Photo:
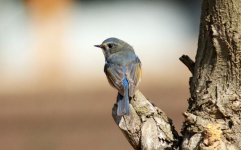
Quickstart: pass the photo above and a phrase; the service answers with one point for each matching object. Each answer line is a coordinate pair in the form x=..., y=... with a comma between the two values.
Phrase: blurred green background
x=54, y=94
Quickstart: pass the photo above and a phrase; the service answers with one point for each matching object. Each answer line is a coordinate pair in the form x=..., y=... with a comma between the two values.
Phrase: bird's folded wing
x=115, y=76
x=134, y=74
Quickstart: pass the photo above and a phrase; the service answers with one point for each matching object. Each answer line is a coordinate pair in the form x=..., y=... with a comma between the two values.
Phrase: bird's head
x=113, y=45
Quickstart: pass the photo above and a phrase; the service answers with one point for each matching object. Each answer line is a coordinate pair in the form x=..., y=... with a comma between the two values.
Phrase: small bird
x=123, y=71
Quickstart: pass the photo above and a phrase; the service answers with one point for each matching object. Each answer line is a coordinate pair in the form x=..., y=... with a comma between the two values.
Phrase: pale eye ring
x=110, y=45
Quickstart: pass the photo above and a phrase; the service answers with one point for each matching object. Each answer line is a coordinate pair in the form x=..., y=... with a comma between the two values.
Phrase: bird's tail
x=123, y=101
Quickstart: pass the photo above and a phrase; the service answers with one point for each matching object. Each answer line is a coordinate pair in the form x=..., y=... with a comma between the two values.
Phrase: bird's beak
x=99, y=46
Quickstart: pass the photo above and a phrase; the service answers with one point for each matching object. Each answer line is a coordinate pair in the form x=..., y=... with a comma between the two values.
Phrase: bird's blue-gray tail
x=123, y=101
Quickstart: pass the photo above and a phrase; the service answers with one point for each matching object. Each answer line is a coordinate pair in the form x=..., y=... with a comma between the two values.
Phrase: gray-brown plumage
x=123, y=70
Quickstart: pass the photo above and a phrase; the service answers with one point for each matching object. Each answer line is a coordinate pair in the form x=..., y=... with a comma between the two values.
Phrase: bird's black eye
x=110, y=45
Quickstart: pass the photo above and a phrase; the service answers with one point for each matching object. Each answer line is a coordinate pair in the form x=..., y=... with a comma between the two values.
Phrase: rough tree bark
x=213, y=118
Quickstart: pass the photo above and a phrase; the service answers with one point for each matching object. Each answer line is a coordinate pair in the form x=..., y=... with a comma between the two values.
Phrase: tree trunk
x=213, y=118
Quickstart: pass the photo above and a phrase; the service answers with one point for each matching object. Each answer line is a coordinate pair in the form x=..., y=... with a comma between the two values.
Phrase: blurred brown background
x=53, y=92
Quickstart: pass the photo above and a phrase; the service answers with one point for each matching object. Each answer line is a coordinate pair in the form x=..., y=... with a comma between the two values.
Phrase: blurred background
x=53, y=92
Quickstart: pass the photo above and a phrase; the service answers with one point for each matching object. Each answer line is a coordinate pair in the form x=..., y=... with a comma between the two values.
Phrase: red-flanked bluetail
x=123, y=71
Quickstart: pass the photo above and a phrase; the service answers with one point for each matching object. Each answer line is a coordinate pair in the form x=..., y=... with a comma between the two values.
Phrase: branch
x=147, y=127
x=188, y=62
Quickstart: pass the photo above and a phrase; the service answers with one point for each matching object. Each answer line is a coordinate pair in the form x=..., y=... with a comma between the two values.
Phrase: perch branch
x=188, y=62
x=147, y=127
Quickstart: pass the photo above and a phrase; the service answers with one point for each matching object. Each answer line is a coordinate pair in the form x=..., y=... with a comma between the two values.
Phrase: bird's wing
x=134, y=74
x=115, y=76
